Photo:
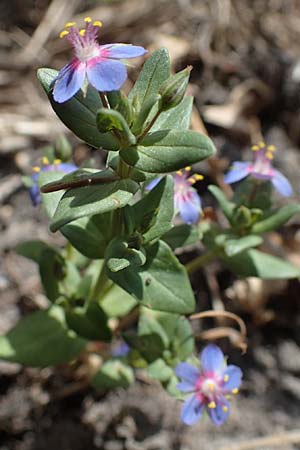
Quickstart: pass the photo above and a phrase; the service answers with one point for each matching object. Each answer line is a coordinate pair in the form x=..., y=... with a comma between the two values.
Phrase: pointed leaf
x=276, y=219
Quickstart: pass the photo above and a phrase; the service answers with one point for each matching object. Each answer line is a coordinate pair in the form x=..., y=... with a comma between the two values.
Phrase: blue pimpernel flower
x=187, y=202
x=261, y=168
x=34, y=190
x=96, y=64
x=211, y=386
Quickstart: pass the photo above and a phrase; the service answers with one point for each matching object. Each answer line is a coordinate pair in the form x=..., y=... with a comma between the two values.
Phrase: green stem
x=200, y=261
x=149, y=126
x=100, y=285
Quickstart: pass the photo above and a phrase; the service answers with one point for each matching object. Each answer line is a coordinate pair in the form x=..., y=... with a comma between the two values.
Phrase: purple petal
x=153, y=183
x=192, y=410
x=237, y=172
x=107, y=75
x=234, y=375
x=126, y=51
x=187, y=372
x=66, y=167
x=212, y=359
x=220, y=413
x=69, y=81
x=34, y=192
x=281, y=183
x=185, y=386
x=189, y=206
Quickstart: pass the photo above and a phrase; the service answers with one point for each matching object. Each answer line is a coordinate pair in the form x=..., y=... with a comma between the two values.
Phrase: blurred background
x=246, y=78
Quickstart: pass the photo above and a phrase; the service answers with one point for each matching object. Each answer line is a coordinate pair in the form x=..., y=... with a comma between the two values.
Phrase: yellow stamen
x=211, y=386
x=45, y=160
x=97, y=23
x=57, y=161
x=87, y=19
x=70, y=24
x=269, y=155
x=82, y=32
x=261, y=144
x=254, y=148
x=235, y=391
x=228, y=397
x=63, y=33
x=226, y=378
x=225, y=408
x=212, y=405
x=36, y=169
x=198, y=177
x=179, y=172
x=188, y=168
x=271, y=148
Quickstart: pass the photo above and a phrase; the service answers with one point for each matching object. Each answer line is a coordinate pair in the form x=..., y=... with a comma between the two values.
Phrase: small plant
x=117, y=291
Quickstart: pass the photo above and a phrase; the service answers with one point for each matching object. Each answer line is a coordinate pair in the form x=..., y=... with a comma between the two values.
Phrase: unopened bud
x=63, y=149
x=172, y=90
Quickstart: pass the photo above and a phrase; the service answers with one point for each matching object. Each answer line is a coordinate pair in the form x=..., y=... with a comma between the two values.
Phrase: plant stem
x=104, y=100
x=200, y=261
x=150, y=125
x=100, y=285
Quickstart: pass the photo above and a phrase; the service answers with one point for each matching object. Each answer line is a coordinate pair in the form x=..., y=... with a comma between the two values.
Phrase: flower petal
x=106, y=75
x=281, y=183
x=69, y=81
x=220, y=413
x=212, y=359
x=66, y=167
x=237, y=172
x=187, y=372
x=35, y=195
x=192, y=410
x=185, y=386
x=189, y=206
x=119, y=51
x=153, y=183
x=234, y=375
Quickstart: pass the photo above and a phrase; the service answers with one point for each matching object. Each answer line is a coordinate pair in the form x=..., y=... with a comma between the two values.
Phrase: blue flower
x=96, y=64
x=122, y=349
x=261, y=168
x=187, y=202
x=211, y=386
x=34, y=190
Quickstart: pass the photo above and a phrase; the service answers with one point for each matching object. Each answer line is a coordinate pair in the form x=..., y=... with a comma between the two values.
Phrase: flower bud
x=63, y=149
x=172, y=90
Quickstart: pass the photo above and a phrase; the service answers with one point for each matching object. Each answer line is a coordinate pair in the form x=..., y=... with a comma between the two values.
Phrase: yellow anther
x=82, y=32
x=225, y=408
x=70, y=24
x=36, y=169
x=198, y=177
x=211, y=386
x=261, y=144
x=271, y=148
x=57, y=161
x=87, y=19
x=187, y=168
x=212, y=405
x=179, y=172
x=235, y=391
x=97, y=23
x=226, y=378
x=63, y=33
x=228, y=397
x=45, y=160
x=269, y=155
x=254, y=148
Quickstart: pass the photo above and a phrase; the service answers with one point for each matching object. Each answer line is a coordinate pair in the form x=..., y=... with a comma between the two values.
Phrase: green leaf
x=226, y=206
x=276, y=219
x=110, y=120
x=41, y=339
x=178, y=118
x=79, y=113
x=117, y=302
x=113, y=374
x=160, y=371
x=51, y=200
x=120, y=255
x=234, y=245
x=181, y=236
x=153, y=214
x=89, y=323
x=90, y=200
x=254, y=193
x=154, y=72
x=168, y=150
x=33, y=249
x=150, y=346
x=253, y=263
x=142, y=118
x=52, y=271
x=89, y=235
x=162, y=283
